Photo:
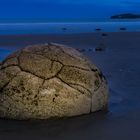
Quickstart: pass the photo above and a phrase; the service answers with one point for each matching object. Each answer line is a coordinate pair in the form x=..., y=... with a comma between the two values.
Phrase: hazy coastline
x=21, y=28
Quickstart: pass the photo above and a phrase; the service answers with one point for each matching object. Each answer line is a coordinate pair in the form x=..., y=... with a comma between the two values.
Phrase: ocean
x=67, y=27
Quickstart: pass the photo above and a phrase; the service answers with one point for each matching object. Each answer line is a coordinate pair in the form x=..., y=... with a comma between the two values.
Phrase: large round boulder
x=50, y=80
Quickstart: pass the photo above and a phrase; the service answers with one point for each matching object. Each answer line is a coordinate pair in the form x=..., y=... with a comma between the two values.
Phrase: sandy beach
x=119, y=62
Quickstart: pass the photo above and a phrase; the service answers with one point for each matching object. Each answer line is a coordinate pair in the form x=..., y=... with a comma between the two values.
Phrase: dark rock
x=126, y=16
x=64, y=29
x=99, y=49
x=98, y=29
x=123, y=29
x=104, y=34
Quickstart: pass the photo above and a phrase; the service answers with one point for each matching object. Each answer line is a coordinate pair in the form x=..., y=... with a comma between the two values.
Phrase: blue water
x=67, y=27
x=5, y=51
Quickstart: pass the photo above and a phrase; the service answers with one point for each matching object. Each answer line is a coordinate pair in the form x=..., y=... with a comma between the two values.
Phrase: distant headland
x=126, y=16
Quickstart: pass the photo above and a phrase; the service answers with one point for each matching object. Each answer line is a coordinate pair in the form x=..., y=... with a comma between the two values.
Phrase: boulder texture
x=50, y=80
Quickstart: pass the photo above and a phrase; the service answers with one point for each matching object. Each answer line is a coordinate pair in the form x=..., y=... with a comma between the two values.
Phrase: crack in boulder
x=70, y=85
x=5, y=67
x=1, y=89
x=54, y=60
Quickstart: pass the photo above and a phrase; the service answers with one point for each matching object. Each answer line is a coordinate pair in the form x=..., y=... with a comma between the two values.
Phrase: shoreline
x=68, y=28
x=10, y=40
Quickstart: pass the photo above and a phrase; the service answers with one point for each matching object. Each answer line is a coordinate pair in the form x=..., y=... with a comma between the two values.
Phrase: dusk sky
x=66, y=8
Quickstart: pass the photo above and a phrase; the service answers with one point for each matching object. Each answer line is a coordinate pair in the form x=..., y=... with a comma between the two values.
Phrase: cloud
x=98, y=2
x=66, y=8
x=131, y=3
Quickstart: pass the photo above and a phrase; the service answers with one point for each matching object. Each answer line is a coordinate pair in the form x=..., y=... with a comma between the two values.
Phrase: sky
x=65, y=9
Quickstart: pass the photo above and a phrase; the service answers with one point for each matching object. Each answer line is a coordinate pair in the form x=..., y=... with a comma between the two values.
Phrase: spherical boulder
x=50, y=80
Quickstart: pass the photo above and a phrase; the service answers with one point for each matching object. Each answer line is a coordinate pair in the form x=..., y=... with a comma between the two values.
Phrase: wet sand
x=120, y=63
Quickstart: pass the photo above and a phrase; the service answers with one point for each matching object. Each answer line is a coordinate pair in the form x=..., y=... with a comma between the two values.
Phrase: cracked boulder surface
x=50, y=80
